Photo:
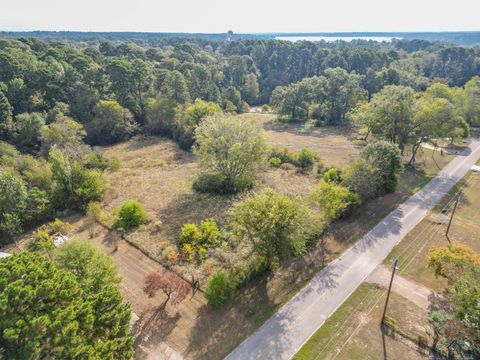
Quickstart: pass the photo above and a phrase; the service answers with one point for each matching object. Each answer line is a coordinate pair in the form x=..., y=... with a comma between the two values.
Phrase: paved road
x=409, y=289
x=284, y=334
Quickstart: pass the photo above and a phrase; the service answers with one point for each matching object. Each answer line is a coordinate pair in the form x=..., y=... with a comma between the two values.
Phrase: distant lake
x=334, y=38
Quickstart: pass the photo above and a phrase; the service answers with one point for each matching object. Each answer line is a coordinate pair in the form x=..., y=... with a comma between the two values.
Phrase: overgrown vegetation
x=81, y=312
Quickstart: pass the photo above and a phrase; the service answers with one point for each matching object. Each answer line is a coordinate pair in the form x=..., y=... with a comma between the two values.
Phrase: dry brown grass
x=413, y=249
x=337, y=146
x=354, y=332
x=160, y=175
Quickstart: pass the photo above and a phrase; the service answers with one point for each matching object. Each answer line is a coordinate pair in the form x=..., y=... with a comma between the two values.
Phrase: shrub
x=188, y=252
x=189, y=234
x=245, y=274
x=285, y=155
x=361, y=178
x=98, y=161
x=210, y=183
x=194, y=241
x=131, y=215
x=333, y=175
x=387, y=159
x=266, y=108
x=173, y=256
x=275, y=162
x=305, y=160
x=334, y=200
x=321, y=167
x=210, y=233
x=219, y=288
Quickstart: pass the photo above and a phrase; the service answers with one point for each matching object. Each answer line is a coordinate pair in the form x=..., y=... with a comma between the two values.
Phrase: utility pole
x=389, y=289
x=451, y=216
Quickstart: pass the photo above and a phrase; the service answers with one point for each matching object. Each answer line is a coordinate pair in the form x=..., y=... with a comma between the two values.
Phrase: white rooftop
x=476, y=168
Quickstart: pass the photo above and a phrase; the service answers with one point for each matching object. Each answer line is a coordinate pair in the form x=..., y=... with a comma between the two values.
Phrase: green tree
x=66, y=134
x=219, y=288
x=111, y=123
x=131, y=215
x=27, y=131
x=276, y=225
x=160, y=112
x=231, y=148
x=73, y=185
x=460, y=265
x=334, y=200
x=70, y=321
x=362, y=178
x=5, y=117
x=250, y=88
x=187, y=117
x=390, y=114
x=387, y=159
x=13, y=201
x=342, y=91
x=472, y=101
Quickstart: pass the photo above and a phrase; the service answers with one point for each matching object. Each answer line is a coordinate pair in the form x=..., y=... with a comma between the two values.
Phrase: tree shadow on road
x=217, y=331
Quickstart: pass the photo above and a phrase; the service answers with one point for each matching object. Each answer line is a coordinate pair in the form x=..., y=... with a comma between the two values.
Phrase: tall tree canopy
x=49, y=312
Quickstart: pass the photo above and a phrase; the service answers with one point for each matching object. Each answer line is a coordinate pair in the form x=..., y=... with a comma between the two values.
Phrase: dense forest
x=59, y=97
x=467, y=38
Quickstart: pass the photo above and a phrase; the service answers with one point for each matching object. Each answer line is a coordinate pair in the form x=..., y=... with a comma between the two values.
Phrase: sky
x=240, y=16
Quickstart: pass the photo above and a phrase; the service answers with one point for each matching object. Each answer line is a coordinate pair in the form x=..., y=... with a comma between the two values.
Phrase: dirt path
x=416, y=293
x=160, y=334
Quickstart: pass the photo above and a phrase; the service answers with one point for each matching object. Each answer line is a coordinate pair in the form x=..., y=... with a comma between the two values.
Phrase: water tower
x=229, y=35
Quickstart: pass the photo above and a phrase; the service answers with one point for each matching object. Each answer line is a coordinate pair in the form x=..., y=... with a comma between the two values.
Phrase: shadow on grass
x=217, y=331
x=152, y=329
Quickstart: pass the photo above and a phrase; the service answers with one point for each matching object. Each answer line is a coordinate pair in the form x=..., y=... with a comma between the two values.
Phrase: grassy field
x=354, y=331
x=159, y=174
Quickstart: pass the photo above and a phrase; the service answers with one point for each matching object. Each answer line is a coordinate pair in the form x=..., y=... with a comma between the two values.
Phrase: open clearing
x=354, y=331
x=160, y=175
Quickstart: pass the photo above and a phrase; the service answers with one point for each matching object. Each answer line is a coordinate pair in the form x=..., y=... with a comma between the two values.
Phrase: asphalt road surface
x=283, y=335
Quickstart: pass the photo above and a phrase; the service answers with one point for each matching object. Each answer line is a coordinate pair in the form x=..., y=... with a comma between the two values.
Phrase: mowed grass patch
x=354, y=332
x=430, y=232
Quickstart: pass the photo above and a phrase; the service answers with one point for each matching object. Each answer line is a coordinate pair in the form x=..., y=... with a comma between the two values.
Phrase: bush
x=245, y=274
x=216, y=183
x=98, y=161
x=266, y=109
x=131, y=215
x=220, y=287
x=194, y=241
x=209, y=232
x=285, y=155
x=333, y=175
x=387, y=159
x=275, y=162
x=361, y=178
x=189, y=234
x=305, y=160
x=334, y=200
x=112, y=123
